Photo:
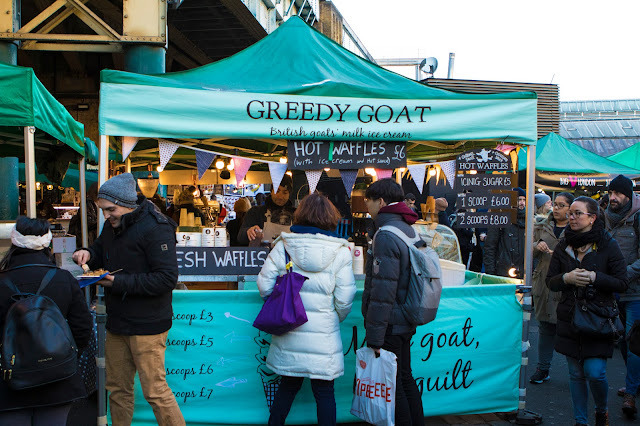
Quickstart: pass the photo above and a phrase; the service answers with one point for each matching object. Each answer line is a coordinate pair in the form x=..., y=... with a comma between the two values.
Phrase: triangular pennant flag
x=349, y=179
x=438, y=170
x=417, y=173
x=167, y=149
x=384, y=173
x=313, y=177
x=128, y=143
x=449, y=169
x=241, y=167
x=203, y=161
x=277, y=171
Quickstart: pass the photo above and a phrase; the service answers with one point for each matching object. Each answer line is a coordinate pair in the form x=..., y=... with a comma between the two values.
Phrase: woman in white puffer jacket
x=314, y=349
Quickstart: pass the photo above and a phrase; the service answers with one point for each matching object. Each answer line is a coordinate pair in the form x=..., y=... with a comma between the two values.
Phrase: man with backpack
x=140, y=240
x=621, y=220
x=388, y=273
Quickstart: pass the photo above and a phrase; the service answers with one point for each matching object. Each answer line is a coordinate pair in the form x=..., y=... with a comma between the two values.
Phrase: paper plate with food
x=91, y=277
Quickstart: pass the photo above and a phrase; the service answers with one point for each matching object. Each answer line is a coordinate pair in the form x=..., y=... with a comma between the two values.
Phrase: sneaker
x=622, y=391
x=629, y=405
x=539, y=376
x=602, y=419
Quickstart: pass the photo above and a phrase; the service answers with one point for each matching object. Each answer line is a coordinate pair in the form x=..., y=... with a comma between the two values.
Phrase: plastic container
x=358, y=260
x=208, y=237
x=194, y=239
x=452, y=273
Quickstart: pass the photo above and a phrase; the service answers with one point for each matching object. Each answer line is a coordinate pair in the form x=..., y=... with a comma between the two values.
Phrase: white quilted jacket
x=314, y=349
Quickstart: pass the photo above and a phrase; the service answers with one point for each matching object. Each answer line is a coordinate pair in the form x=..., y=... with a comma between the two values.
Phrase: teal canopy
x=24, y=101
x=298, y=84
x=556, y=154
x=629, y=157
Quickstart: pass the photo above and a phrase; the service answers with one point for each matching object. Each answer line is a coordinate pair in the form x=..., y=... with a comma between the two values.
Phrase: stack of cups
x=221, y=236
x=358, y=260
x=208, y=237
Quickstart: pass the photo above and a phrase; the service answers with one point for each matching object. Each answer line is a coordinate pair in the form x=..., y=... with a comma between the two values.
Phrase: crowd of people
x=581, y=251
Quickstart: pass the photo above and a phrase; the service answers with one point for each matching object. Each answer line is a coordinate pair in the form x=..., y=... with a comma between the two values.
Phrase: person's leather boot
x=629, y=405
x=602, y=419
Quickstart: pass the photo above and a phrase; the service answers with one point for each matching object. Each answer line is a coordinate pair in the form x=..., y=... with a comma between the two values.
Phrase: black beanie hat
x=623, y=185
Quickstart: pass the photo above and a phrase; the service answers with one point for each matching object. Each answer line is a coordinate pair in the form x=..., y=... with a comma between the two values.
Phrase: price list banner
x=315, y=155
x=488, y=209
x=466, y=361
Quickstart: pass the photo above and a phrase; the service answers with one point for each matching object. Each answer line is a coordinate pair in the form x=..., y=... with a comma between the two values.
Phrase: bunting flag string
x=128, y=143
x=449, y=169
x=277, y=171
x=203, y=161
x=417, y=173
x=313, y=177
x=349, y=180
x=241, y=167
x=167, y=149
x=384, y=173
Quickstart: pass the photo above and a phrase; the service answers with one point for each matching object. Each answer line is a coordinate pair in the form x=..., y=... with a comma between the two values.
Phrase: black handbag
x=591, y=319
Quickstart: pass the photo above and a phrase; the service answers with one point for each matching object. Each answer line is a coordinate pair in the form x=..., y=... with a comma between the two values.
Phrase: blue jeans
x=546, y=342
x=631, y=313
x=287, y=391
x=593, y=370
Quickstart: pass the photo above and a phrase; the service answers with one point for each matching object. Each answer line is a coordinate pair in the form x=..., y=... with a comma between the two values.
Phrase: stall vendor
x=266, y=222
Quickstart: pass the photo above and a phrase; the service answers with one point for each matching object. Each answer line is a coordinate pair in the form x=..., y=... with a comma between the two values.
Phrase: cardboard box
x=64, y=261
x=64, y=244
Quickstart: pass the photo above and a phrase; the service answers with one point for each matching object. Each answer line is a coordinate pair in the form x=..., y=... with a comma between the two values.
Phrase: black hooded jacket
x=144, y=247
x=257, y=216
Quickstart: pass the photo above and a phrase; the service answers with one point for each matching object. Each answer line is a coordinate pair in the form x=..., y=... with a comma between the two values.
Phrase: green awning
x=629, y=157
x=24, y=101
x=556, y=154
x=298, y=84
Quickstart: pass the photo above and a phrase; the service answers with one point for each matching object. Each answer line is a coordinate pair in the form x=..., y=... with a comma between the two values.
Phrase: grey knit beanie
x=540, y=199
x=120, y=190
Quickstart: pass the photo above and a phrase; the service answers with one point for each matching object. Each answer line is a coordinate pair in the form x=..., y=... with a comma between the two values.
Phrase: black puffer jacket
x=65, y=292
x=611, y=277
x=144, y=246
x=504, y=248
x=385, y=286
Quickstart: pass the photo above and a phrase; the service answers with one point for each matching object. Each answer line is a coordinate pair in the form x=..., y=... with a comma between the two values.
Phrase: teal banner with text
x=466, y=361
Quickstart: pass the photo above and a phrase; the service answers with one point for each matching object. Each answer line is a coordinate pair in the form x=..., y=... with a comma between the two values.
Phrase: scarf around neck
x=579, y=239
x=616, y=217
x=32, y=242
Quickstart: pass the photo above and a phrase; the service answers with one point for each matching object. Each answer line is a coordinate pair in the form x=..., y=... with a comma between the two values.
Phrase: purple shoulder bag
x=283, y=311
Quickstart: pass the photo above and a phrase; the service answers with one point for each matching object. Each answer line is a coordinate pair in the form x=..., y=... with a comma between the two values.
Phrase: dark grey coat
x=257, y=216
x=387, y=279
x=65, y=292
x=504, y=249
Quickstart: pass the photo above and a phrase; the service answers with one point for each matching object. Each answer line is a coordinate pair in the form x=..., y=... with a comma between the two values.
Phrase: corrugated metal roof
x=606, y=147
x=600, y=106
x=600, y=129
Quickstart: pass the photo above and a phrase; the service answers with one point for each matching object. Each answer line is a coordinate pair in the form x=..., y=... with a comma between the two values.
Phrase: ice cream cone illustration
x=270, y=380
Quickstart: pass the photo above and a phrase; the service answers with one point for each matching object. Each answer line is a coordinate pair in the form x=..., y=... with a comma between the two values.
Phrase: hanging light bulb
x=219, y=164
x=159, y=168
x=283, y=160
x=326, y=169
x=50, y=187
x=289, y=173
x=230, y=166
x=38, y=185
x=432, y=171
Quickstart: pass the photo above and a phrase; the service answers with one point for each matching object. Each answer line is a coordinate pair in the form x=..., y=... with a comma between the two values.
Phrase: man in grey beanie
x=141, y=241
x=621, y=220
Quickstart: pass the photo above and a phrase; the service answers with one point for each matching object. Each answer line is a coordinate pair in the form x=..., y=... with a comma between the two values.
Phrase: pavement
x=551, y=400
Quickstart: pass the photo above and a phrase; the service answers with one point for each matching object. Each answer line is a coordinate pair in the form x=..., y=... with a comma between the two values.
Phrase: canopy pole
x=127, y=165
x=30, y=169
x=83, y=215
x=531, y=188
x=103, y=172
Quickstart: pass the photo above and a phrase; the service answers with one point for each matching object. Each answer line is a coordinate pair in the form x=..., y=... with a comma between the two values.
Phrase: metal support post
x=9, y=52
x=30, y=169
x=101, y=321
x=84, y=228
x=103, y=171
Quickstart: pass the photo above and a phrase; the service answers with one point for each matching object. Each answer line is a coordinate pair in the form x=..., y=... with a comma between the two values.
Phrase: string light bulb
x=230, y=166
x=219, y=164
x=159, y=168
x=432, y=171
x=283, y=160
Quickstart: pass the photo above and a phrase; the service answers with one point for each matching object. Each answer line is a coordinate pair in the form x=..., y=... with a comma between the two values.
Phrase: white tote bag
x=374, y=400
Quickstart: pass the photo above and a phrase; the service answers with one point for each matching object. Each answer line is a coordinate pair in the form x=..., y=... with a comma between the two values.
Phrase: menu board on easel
x=485, y=183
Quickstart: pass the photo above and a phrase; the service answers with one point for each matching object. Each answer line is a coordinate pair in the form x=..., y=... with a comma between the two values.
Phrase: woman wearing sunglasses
x=546, y=235
x=587, y=263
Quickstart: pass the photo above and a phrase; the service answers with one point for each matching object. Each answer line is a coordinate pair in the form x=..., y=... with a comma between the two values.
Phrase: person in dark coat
x=47, y=404
x=504, y=247
x=386, y=284
x=141, y=241
x=586, y=263
x=241, y=207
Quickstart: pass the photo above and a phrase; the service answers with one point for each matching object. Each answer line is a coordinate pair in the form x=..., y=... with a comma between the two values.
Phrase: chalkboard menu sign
x=221, y=260
x=316, y=155
x=488, y=197
x=483, y=160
